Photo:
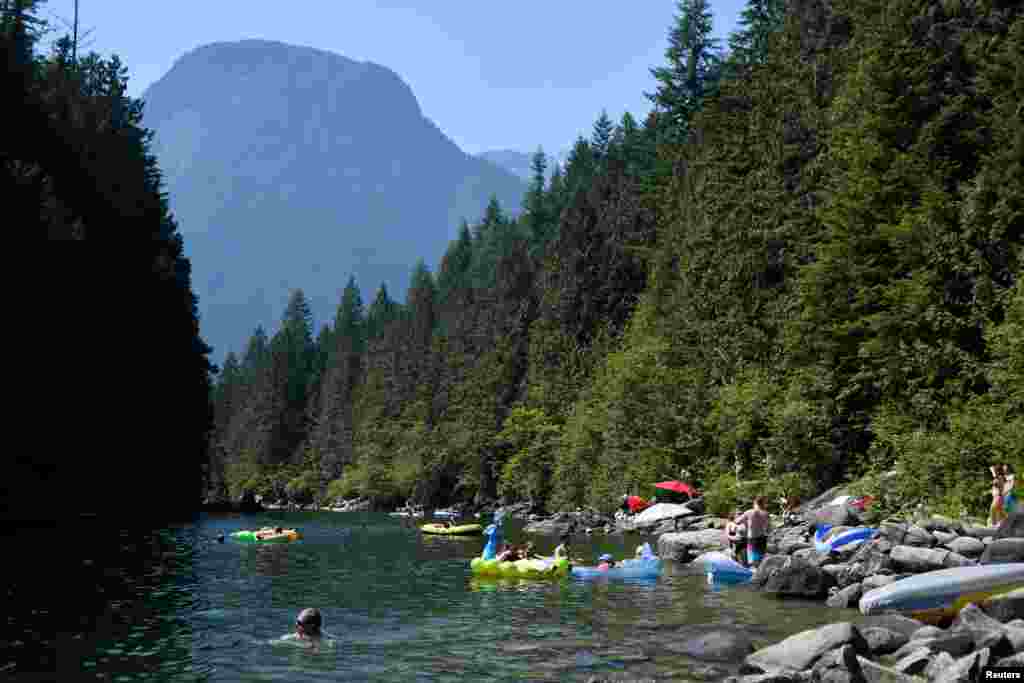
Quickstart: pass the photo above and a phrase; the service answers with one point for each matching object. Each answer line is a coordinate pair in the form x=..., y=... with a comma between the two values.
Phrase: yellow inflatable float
x=521, y=569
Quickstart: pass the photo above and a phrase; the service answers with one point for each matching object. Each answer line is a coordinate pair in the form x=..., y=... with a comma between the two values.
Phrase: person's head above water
x=308, y=622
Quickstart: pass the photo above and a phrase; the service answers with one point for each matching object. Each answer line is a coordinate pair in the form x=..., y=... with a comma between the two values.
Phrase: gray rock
x=1003, y=550
x=915, y=559
x=955, y=644
x=943, y=524
x=834, y=570
x=966, y=669
x=893, y=622
x=901, y=533
x=876, y=581
x=790, y=544
x=871, y=672
x=915, y=662
x=1012, y=660
x=834, y=667
x=679, y=545
x=981, y=531
x=774, y=677
x=928, y=631
x=1012, y=526
x=883, y=641
x=945, y=537
x=1014, y=634
x=812, y=556
x=986, y=631
x=716, y=646
x=549, y=527
x=800, y=651
x=798, y=578
x=967, y=546
x=847, y=597
x=834, y=515
x=939, y=663
x=768, y=567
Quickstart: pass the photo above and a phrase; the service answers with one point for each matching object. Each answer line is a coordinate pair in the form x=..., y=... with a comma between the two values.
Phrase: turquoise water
x=174, y=605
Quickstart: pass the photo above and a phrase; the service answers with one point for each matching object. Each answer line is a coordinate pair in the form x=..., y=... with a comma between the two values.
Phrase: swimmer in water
x=309, y=630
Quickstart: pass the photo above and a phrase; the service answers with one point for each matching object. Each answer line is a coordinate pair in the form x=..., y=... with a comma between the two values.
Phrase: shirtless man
x=757, y=523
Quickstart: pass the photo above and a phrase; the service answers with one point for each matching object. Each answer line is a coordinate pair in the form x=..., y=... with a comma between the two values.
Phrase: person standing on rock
x=1009, y=496
x=757, y=523
x=997, y=512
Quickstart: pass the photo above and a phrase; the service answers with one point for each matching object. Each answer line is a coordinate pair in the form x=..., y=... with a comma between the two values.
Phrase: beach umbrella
x=678, y=487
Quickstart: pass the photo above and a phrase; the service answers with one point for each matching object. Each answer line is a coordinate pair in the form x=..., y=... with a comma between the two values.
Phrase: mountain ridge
x=289, y=166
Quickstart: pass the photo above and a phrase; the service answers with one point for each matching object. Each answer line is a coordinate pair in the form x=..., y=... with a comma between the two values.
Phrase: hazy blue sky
x=491, y=74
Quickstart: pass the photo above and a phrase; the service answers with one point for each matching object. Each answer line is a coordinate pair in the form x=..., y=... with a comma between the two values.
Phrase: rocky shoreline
x=890, y=647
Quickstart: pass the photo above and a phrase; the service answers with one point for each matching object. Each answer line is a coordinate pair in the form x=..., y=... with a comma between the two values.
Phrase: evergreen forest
x=801, y=268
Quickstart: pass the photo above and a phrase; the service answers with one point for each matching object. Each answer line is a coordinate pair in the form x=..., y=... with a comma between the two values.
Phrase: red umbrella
x=678, y=487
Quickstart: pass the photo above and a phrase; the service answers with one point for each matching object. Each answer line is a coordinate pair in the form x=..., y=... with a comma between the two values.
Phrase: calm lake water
x=175, y=605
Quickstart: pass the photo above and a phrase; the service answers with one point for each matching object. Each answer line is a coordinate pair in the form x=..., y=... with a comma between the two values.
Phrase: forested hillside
x=803, y=266
x=120, y=371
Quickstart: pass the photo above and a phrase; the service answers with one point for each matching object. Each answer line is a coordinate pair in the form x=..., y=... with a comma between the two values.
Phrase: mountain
x=291, y=167
x=518, y=163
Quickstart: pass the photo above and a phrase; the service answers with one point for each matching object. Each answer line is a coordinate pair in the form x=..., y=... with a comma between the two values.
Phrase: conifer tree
x=350, y=320
x=759, y=20
x=535, y=203
x=383, y=311
x=601, y=137
x=694, y=60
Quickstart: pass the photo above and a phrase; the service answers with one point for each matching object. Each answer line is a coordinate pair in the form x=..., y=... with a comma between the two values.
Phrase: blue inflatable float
x=646, y=566
x=721, y=568
x=849, y=538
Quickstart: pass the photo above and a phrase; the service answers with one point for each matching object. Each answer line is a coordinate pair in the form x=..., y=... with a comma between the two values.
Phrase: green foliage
x=532, y=438
x=806, y=263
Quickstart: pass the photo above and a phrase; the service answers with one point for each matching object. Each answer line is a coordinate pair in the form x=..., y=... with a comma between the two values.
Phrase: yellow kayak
x=460, y=530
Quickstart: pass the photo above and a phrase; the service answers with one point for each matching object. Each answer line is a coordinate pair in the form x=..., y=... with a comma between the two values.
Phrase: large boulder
x=955, y=644
x=1006, y=607
x=834, y=515
x=967, y=546
x=798, y=578
x=553, y=526
x=681, y=546
x=1012, y=526
x=883, y=641
x=801, y=651
x=982, y=532
x=768, y=566
x=986, y=631
x=915, y=662
x=847, y=597
x=894, y=622
x=872, y=672
x=966, y=669
x=901, y=533
x=913, y=559
x=943, y=524
x=1003, y=550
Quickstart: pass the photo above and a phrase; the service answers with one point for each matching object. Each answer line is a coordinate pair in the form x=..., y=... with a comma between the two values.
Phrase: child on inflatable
x=606, y=562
